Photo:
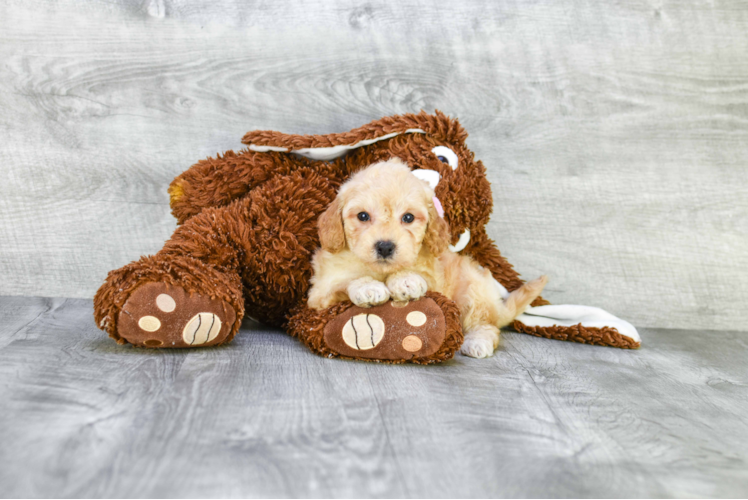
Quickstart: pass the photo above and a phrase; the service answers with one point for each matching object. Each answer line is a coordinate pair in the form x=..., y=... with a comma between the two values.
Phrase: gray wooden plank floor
x=82, y=416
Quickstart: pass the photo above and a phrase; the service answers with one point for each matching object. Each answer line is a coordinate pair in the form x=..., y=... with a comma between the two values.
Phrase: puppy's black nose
x=384, y=249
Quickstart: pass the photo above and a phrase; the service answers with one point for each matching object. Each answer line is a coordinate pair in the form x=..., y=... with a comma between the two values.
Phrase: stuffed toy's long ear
x=331, y=146
x=330, y=226
x=437, y=232
x=585, y=324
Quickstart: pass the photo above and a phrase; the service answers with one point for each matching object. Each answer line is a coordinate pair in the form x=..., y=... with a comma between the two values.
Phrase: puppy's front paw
x=367, y=292
x=480, y=342
x=407, y=286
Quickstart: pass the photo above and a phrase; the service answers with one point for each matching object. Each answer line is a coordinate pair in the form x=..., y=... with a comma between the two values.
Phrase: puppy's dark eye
x=363, y=216
x=443, y=159
x=408, y=218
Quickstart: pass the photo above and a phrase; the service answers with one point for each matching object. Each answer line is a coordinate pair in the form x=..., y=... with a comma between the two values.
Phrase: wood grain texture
x=615, y=134
x=264, y=417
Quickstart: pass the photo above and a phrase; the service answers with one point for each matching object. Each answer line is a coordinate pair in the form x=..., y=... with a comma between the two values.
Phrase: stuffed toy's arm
x=216, y=182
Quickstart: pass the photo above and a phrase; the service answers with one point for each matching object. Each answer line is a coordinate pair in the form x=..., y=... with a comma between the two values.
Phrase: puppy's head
x=386, y=216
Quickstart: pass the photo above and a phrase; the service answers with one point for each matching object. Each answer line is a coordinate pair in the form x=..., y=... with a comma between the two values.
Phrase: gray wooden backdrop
x=615, y=133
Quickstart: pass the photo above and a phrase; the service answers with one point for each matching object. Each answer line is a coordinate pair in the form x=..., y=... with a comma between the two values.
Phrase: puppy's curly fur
x=382, y=238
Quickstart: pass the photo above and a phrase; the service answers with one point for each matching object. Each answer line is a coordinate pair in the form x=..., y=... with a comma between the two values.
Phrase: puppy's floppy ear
x=330, y=226
x=437, y=233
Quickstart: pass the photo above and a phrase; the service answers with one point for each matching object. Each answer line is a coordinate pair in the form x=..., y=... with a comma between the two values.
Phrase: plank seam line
x=559, y=420
x=398, y=466
x=45, y=311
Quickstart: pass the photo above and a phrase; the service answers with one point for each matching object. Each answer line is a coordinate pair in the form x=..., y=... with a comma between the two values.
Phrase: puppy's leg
x=520, y=299
x=484, y=312
x=406, y=285
x=367, y=292
x=329, y=281
x=322, y=298
x=478, y=301
x=480, y=341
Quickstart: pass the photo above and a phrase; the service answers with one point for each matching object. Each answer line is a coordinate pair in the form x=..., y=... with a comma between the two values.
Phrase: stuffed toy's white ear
x=330, y=146
x=572, y=315
x=578, y=323
x=332, y=152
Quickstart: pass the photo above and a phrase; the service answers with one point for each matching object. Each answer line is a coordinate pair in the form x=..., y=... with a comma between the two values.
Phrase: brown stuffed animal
x=248, y=230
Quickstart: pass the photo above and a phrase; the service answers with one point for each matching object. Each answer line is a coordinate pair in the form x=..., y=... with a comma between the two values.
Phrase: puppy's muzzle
x=384, y=249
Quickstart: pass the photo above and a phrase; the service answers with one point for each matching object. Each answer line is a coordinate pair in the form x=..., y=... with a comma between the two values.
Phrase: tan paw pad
x=416, y=318
x=411, y=343
x=166, y=303
x=201, y=329
x=149, y=323
x=363, y=331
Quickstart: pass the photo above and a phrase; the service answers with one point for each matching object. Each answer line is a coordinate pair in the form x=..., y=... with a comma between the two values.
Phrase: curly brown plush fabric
x=584, y=335
x=247, y=232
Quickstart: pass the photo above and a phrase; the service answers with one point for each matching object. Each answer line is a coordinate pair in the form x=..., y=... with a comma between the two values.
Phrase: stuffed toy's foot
x=168, y=301
x=161, y=315
x=422, y=331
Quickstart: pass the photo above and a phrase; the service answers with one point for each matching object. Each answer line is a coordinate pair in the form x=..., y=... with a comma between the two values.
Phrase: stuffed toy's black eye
x=408, y=218
x=446, y=155
x=363, y=216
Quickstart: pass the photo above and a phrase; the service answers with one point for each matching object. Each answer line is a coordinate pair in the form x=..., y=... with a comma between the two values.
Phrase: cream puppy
x=383, y=239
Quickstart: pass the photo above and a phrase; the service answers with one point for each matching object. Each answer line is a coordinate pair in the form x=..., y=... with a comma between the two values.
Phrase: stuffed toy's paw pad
x=391, y=331
x=162, y=315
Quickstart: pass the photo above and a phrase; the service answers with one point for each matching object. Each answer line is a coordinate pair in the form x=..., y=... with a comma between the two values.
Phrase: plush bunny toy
x=247, y=231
